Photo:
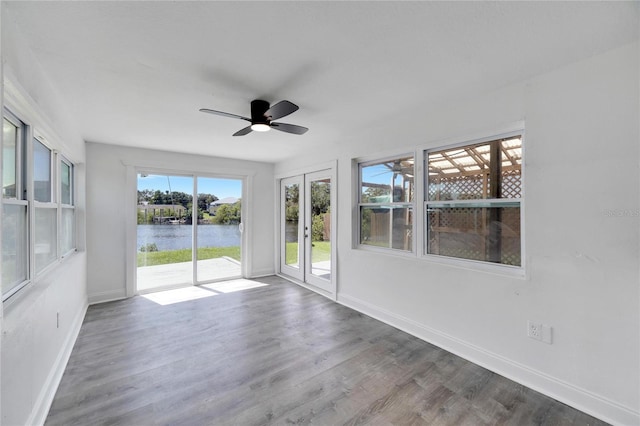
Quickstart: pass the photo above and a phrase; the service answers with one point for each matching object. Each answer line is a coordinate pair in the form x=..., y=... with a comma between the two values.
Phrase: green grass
x=176, y=256
x=320, y=252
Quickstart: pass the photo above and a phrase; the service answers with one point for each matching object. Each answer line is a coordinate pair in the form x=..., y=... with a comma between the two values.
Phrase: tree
x=291, y=203
x=205, y=200
x=320, y=198
x=228, y=214
x=373, y=192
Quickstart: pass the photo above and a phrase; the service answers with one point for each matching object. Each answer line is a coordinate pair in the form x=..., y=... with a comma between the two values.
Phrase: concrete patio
x=153, y=278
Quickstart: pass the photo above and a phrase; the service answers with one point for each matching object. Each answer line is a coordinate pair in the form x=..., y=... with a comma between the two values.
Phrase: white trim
x=309, y=287
x=581, y=399
x=299, y=176
x=48, y=391
x=476, y=265
x=307, y=169
x=107, y=296
x=262, y=273
x=160, y=167
x=292, y=271
x=385, y=250
x=131, y=232
x=1, y=210
x=323, y=283
x=246, y=226
x=513, y=129
x=497, y=132
x=357, y=164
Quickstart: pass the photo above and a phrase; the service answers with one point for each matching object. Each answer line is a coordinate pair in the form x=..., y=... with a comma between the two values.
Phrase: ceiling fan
x=262, y=116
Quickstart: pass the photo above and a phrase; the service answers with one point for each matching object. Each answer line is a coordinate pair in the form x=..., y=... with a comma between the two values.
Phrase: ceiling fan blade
x=224, y=114
x=243, y=132
x=281, y=109
x=289, y=128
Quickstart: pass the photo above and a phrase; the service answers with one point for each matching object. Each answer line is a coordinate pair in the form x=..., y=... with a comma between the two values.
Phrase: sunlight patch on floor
x=186, y=294
x=234, y=285
x=178, y=295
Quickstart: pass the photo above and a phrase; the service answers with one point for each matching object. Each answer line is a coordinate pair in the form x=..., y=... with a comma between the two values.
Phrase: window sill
x=477, y=266
x=385, y=250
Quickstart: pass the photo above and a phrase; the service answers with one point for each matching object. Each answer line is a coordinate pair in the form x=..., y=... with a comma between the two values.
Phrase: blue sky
x=377, y=173
x=221, y=188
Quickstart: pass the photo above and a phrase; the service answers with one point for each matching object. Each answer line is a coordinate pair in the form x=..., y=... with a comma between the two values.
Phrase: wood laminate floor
x=276, y=354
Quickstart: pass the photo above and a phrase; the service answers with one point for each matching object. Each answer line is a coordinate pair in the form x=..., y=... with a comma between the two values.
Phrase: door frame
x=131, y=205
x=329, y=169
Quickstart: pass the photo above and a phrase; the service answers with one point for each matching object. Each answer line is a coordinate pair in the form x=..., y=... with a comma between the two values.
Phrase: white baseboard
x=106, y=296
x=574, y=396
x=260, y=273
x=313, y=288
x=45, y=398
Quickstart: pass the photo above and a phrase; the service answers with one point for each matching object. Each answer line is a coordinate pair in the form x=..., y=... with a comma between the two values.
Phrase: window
x=45, y=223
x=473, y=201
x=15, y=258
x=67, y=211
x=38, y=213
x=386, y=203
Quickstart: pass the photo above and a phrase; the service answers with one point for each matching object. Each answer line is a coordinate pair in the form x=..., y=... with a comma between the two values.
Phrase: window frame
x=359, y=163
x=44, y=205
x=20, y=199
x=60, y=160
x=481, y=265
x=25, y=197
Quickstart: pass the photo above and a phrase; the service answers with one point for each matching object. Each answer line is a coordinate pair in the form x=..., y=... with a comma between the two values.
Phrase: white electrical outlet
x=534, y=330
x=539, y=331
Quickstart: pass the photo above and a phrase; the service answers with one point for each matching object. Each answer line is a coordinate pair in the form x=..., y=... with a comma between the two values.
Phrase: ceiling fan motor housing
x=258, y=109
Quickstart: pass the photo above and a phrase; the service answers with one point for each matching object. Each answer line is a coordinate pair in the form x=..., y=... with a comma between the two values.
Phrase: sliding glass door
x=188, y=230
x=164, y=231
x=219, y=229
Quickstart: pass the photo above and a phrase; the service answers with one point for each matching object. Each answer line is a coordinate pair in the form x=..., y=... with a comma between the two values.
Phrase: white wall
x=581, y=162
x=110, y=191
x=1, y=185
x=34, y=350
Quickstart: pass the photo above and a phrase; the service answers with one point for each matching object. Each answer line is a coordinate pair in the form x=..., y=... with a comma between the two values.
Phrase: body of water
x=174, y=237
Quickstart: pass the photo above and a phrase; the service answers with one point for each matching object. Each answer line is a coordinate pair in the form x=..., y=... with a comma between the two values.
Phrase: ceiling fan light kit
x=260, y=127
x=262, y=116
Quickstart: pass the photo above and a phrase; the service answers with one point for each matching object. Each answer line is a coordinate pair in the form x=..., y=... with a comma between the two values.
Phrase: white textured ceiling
x=136, y=73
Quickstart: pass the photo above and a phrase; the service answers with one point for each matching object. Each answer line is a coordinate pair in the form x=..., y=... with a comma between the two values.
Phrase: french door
x=306, y=237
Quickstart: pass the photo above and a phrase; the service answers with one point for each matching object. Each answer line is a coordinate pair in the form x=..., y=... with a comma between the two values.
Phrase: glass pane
x=321, y=228
x=464, y=173
x=490, y=234
x=387, y=226
x=65, y=183
x=377, y=181
x=219, y=219
x=292, y=212
x=459, y=173
x=9, y=159
x=511, y=172
x=41, y=172
x=165, y=238
x=45, y=237
x=67, y=232
x=14, y=246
